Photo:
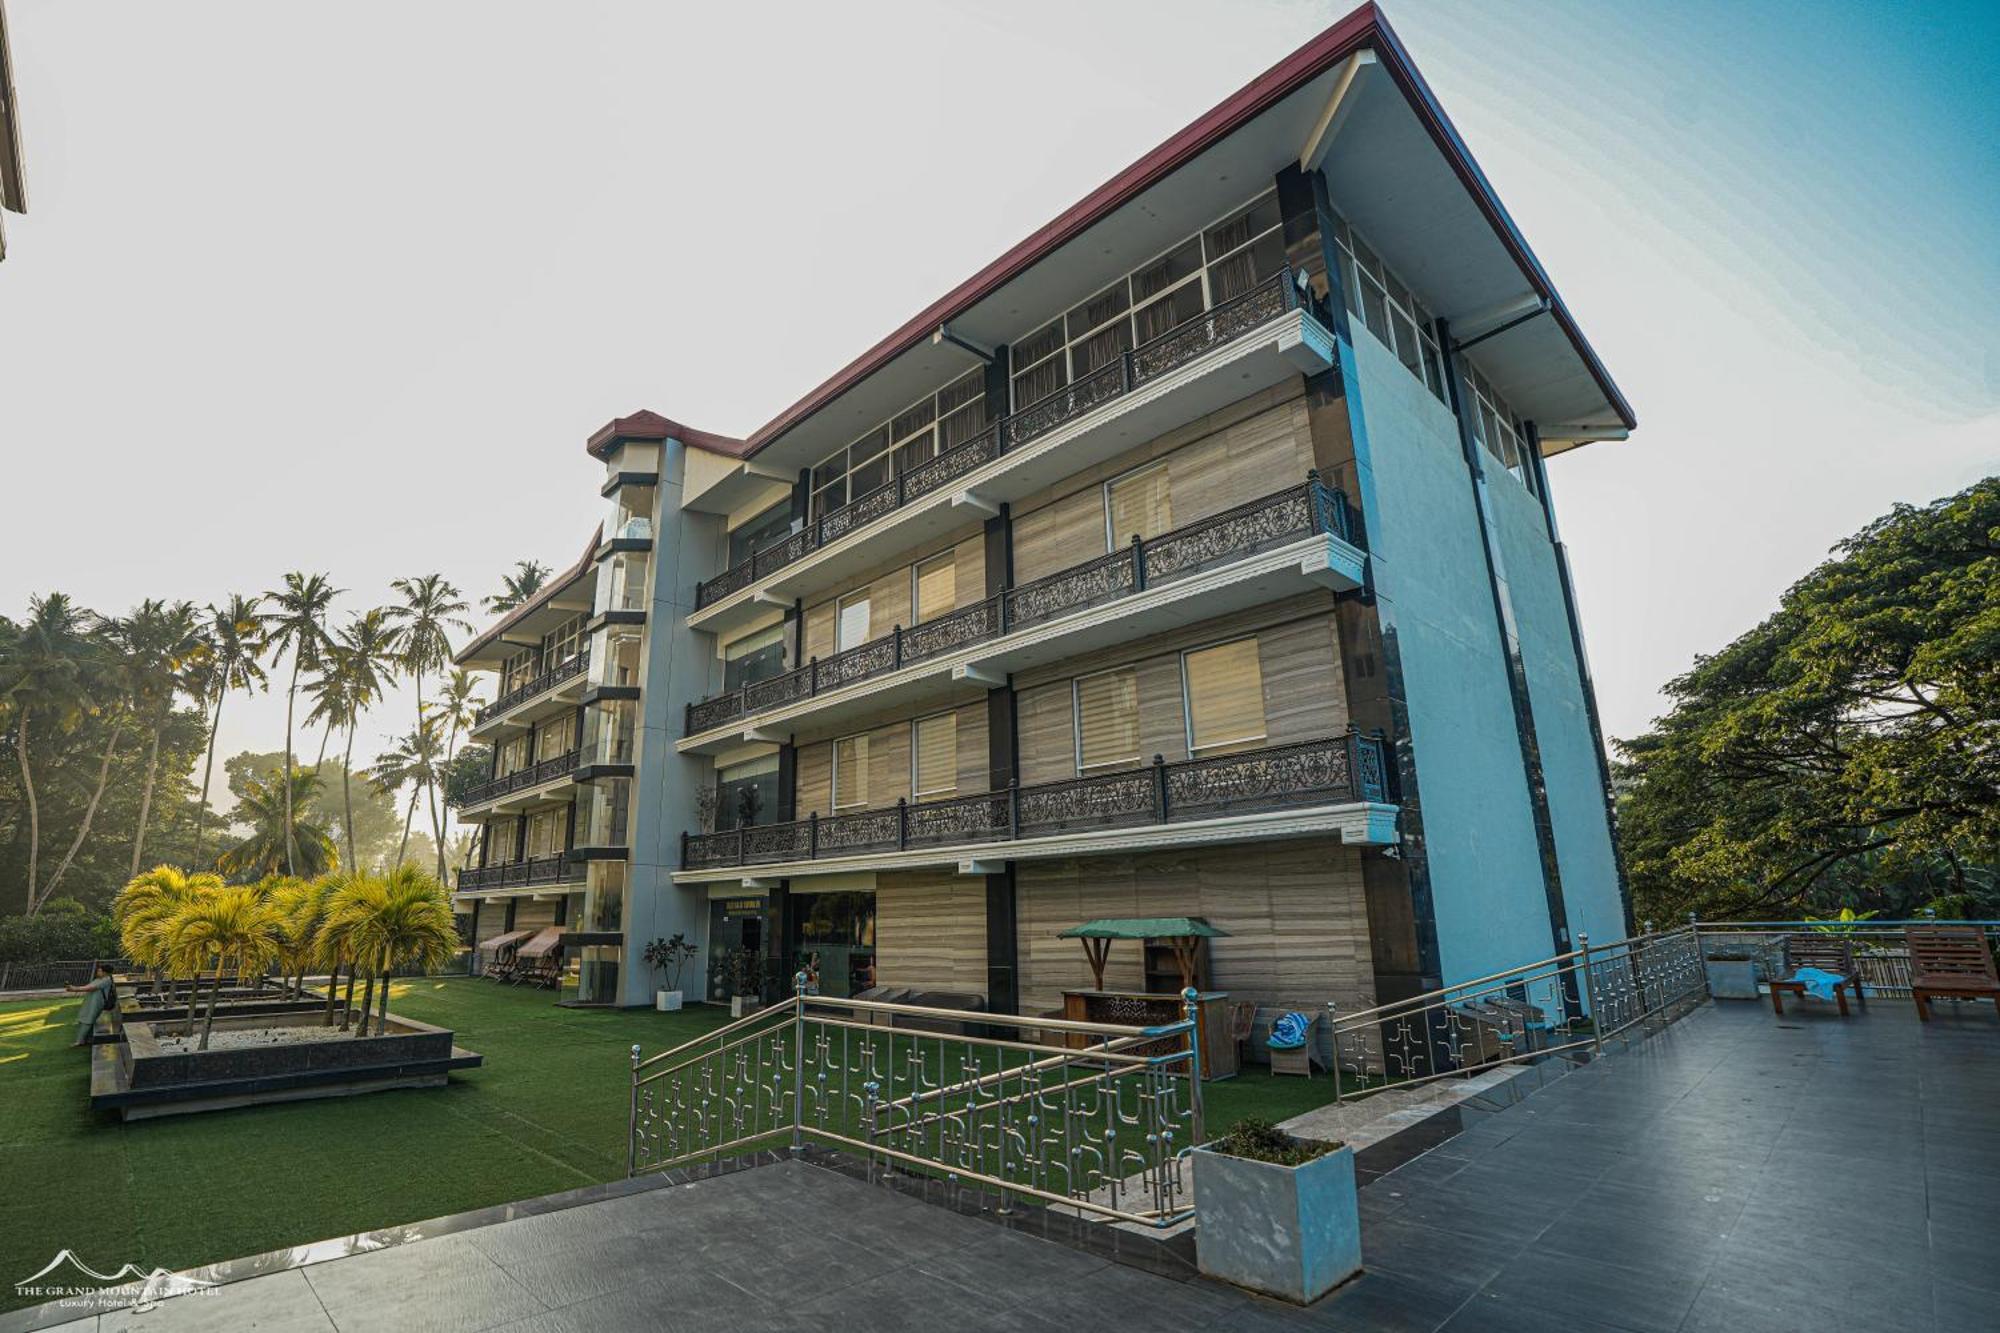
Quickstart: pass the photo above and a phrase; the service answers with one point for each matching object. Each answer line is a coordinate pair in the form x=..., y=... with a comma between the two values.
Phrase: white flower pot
x=741, y=1006
x=666, y=1001
x=1288, y=1231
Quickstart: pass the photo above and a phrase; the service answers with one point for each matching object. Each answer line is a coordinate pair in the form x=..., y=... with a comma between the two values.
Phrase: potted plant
x=746, y=982
x=1732, y=975
x=669, y=956
x=1276, y=1214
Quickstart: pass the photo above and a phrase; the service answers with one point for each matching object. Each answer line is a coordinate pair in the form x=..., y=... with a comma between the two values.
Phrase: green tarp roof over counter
x=1142, y=928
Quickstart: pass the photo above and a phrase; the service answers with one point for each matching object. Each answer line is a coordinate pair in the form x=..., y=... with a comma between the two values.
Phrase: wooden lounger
x=1950, y=962
x=1828, y=953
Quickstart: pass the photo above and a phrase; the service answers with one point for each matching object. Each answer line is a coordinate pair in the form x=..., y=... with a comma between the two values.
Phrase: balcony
x=532, y=691
x=1305, y=536
x=1216, y=799
x=557, y=768
x=1246, y=344
x=531, y=873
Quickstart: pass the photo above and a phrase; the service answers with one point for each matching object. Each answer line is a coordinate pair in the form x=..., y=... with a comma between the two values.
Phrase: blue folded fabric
x=1819, y=984
x=1288, y=1031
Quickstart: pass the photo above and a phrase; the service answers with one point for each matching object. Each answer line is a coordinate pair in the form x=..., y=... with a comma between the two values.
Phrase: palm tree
x=147, y=905
x=528, y=578
x=391, y=921
x=113, y=679
x=364, y=660
x=431, y=609
x=44, y=665
x=297, y=905
x=232, y=920
x=298, y=625
x=279, y=832
x=460, y=709
x=162, y=643
x=413, y=764
x=233, y=662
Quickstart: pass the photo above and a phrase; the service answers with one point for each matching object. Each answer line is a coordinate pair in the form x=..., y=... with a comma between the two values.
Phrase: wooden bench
x=1828, y=953
x=1950, y=962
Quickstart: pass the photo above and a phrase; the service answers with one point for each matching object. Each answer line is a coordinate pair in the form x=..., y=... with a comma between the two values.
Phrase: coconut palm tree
x=432, y=608
x=297, y=904
x=459, y=708
x=413, y=763
x=107, y=682
x=364, y=657
x=297, y=625
x=528, y=578
x=391, y=921
x=233, y=662
x=44, y=667
x=279, y=831
x=162, y=642
x=230, y=921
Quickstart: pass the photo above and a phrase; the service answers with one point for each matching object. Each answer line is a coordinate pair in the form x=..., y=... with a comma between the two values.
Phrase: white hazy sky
x=343, y=287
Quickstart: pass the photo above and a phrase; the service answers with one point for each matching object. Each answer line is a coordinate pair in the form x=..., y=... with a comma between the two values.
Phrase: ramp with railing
x=1092, y=1116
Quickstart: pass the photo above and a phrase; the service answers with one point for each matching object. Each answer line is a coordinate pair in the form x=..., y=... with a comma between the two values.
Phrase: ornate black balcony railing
x=1336, y=769
x=574, y=665
x=558, y=869
x=1275, y=296
x=1299, y=511
x=534, y=775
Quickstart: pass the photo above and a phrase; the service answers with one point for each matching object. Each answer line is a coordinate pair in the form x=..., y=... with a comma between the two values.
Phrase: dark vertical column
x=521, y=838
x=562, y=909
x=485, y=844
x=1003, y=971
x=1510, y=640
x=569, y=827
x=788, y=783
x=781, y=939
x=797, y=617
x=802, y=497
x=997, y=397
x=1402, y=923
x=1003, y=941
x=1538, y=467
x=512, y=903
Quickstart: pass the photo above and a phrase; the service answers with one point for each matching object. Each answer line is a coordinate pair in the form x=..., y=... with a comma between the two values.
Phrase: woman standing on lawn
x=100, y=993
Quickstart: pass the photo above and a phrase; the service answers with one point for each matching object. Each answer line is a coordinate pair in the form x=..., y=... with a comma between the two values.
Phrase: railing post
x=1191, y=1009
x=812, y=836
x=798, y=1062
x=896, y=638
x=902, y=822
x=868, y=1103
x=1001, y=597
x=1013, y=809
x=1159, y=789
x=1700, y=955
x=684, y=849
x=632, y=1120
x=1590, y=992
x=1138, y=564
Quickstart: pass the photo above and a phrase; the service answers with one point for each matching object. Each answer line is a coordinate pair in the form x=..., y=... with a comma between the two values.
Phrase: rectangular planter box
x=1288, y=1231
x=1732, y=979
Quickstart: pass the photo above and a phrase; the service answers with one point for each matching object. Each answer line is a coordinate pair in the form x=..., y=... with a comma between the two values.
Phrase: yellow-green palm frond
x=146, y=906
x=223, y=923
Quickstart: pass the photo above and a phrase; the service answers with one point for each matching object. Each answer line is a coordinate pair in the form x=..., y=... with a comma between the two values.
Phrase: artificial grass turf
x=547, y=1111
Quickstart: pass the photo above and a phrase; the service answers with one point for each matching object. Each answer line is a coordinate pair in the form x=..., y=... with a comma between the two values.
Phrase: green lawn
x=546, y=1112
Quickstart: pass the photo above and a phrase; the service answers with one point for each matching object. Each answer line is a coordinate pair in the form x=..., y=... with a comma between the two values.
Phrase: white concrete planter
x=666, y=1001
x=741, y=1006
x=1732, y=979
x=1288, y=1231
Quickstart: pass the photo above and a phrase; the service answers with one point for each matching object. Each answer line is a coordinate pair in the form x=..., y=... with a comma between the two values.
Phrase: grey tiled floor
x=1736, y=1172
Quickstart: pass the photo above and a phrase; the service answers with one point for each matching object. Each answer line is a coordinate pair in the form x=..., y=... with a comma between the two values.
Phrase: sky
x=344, y=288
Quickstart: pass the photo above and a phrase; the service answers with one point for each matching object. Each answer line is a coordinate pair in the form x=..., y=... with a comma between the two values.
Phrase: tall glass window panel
x=962, y=409
x=503, y=841
x=754, y=657
x=1107, y=719
x=850, y=773
x=747, y=793
x=513, y=755
x=935, y=587
x=555, y=737
x=935, y=757
x=518, y=671
x=547, y=830
x=851, y=625
x=609, y=725
x=1039, y=365
x=1138, y=504
x=766, y=529
x=1225, y=697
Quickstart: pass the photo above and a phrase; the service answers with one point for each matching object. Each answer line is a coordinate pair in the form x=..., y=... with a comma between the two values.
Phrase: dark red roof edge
x=646, y=427
x=535, y=603
x=1329, y=48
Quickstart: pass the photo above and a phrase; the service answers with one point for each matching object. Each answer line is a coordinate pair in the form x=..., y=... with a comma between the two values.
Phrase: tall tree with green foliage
x=44, y=666
x=162, y=643
x=234, y=661
x=528, y=578
x=280, y=834
x=1844, y=749
x=297, y=624
x=413, y=763
x=364, y=656
x=432, y=608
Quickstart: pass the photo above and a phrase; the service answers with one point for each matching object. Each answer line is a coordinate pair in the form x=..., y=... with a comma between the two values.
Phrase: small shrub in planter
x=1276, y=1214
x=670, y=956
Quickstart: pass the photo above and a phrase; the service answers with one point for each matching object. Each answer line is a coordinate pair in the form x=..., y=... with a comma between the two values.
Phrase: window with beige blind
x=850, y=773
x=545, y=831
x=1224, y=690
x=1107, y=719
x=935, y=587
x=1138, y=503
x=934, y=757
x=502, y=838
x=513, y=755
x=851, y=622
x=558, y=737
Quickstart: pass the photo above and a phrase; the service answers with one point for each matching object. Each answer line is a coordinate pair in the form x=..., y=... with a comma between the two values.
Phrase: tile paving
x=1737, y=1171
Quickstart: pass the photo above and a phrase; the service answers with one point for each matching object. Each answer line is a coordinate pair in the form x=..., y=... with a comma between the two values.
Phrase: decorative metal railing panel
x=1232, y=535
x=535, y=870
x=1268, y=300
x=1092, y=1116
x=534, y=775
x=1316, y=772
x=1567, y=1003
x=572, y=666
x=1881, y=949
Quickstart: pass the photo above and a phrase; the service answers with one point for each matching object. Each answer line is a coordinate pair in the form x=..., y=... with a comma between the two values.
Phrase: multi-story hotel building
x=1194, y=558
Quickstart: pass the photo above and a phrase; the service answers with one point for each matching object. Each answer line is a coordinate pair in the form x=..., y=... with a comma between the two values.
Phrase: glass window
x=1138, y=503
x=513, y=755
x=754, y=657
x=518, y=671
x=936, y=589
x=850, y=773
x=935, y=757
x=851, y=629
x=746, y=793
x=1107, y=719
x=608, y=729
x=766, y=529
x=503, y=841
x=547, y=830
x=562, y=643
x=1225, y=695
x=555, y=737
